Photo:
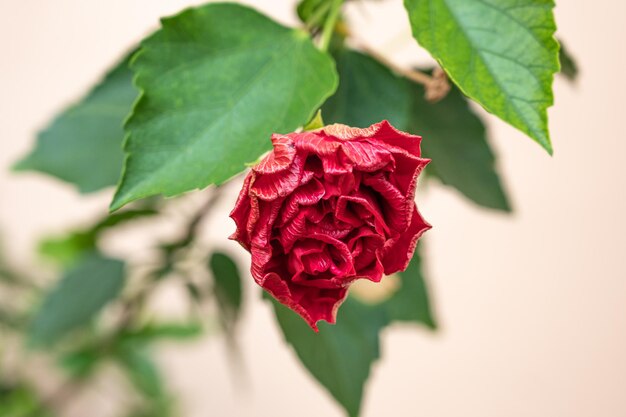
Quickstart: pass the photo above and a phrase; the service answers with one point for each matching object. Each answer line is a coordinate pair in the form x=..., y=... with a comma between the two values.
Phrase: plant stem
x=329, y=24
x=316, y=16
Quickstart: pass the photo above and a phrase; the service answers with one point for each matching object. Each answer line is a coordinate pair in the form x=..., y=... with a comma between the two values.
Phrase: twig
x=329, y=24
x=314, y=19
x=134, y=303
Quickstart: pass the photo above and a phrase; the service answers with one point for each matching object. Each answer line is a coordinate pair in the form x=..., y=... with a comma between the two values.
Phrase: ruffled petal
x=271, y=186
x=360, y=208
x=396, y=208
x=395, y=138
x=398, y=252
x=367, y=247
x=315, y=144
x=306, y=195
x=280, y=158
x=313, y=304
x=366, y=156
x=344, y=132
x=404, y=176
x=242, y=214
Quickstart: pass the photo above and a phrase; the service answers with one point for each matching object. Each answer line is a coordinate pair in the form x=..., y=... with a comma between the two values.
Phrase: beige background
x=532, y=306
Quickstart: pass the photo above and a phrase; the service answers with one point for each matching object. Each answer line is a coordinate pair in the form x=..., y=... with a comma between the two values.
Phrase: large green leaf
x=501, y=53
x=216, y=81
x=78, y=297
x=339, y=356
x=454, y=137
x=83, y=145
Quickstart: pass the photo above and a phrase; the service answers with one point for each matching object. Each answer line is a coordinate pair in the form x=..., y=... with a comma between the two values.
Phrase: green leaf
x=163, y=331
x=454, y=137
x=340, y=356
x=501, y=53
x=80, y=363
x=83, y=145
x=227, y=288
x=368, y=93
x=216, y=82
x=569, y=67
x=138, y=363
x=67, y=249
x=141, y=370
x=316, y=122
x=456, y=141
x=410, y=303
x=21, y=401
x=313, y=12
x=77, y=298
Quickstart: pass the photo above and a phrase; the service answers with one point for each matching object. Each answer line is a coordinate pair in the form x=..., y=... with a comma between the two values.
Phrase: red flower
x=327, y=207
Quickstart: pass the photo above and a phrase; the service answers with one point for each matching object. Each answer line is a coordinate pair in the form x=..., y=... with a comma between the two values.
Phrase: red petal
x=348, y=210
x=404, y=177
x=278, y=184
x=315, y=143
x=396, y=138
x=367, y=156
x=398, y=252
x=396, y=208
x=344, y=132
x=241, y=214
x=306, y=195
x=280, y=158
x=313, y=304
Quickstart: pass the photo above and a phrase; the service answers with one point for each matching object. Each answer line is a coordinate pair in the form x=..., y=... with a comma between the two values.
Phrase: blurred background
x=531, y=306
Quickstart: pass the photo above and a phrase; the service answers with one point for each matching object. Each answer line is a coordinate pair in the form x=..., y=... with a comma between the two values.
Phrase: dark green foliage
x=411, y=302
x=227, y=287
x=83, y=144
x=340, y=356
x=77, y=298
x=569, y=67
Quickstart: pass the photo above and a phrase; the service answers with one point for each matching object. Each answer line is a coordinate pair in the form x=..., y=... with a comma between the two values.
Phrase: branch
x=329, y=24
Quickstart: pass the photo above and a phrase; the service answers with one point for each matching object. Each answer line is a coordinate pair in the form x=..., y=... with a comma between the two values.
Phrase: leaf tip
x=316, y=122
x=548, y=147
x=21, y=165
x=543, y=138
x=119, y=201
